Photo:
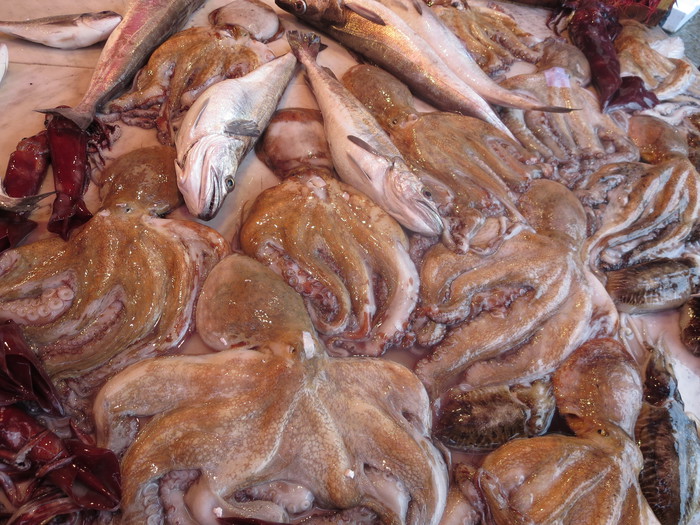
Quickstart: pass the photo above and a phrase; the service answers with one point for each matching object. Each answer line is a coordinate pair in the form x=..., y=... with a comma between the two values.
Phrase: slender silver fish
x=146, y=25
x=392, y=44
x=445, y=43
x=64, y=31
x=221, y=127
x=363, y=154
x=4, y=60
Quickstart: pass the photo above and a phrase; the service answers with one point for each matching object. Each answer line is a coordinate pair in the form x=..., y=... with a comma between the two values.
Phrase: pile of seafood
x=354, y=261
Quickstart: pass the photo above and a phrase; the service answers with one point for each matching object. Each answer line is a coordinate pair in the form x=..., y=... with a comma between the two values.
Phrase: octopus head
x=206, y=175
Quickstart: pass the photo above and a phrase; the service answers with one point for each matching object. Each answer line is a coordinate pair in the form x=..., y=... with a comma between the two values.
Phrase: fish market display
x=342, y=253
x=430, y=317
x=181, y=69
x=64, y=31
x=295, y=427
x=146, y=24
x=220, y=128
x=106, y=298
x=255, y=16
x=363, y=155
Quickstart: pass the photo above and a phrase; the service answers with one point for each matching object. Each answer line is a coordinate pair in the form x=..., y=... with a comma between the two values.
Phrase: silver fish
x=451, y=50
x=363, y=154
x=220, y=128
x=64, y=31
x=146, y=25
x=390, y=43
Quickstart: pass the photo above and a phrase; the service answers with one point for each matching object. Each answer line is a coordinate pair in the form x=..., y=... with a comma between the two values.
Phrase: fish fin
x=304, y=42
x=361, y=143
x=329, y=71
x=556, y=109
x=81, y=119
x=352, y=159
x=366, y=14
x=418, y=6
x=245, y=128
x=205, y=103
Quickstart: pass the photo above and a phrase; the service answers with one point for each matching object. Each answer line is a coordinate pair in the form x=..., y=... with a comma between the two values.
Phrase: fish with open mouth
x=363, y=154
x=220, y=128
x=146, y=25
x=389, y=42
x=64, y=31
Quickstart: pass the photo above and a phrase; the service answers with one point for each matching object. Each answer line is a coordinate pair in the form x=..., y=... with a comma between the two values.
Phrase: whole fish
x=64, y=31
x=146, y=25
x=454, y=54
x=363, y=154
x=220, y=128
x=390, y=43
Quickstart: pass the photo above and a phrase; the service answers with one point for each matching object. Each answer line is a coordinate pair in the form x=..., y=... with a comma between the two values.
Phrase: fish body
x=220, y=128
x=383, y=37
x=4, y=60
x=455, y=55
x=65, y=31
x=363, y=154
x=146, y=25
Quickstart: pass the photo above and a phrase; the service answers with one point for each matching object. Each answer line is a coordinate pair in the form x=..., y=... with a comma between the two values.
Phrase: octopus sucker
x=127, y=280
x=350, y=432
x=360, y=286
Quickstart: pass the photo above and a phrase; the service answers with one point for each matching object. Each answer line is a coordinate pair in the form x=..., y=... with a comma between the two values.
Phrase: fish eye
x=300, y=7
x=428, y=194
x=228, y=181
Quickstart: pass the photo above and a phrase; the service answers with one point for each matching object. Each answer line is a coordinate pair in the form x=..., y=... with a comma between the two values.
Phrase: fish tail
x=304, y=43
x=81, y=118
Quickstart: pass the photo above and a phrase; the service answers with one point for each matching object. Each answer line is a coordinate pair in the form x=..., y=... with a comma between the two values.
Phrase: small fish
x=65, y=31
x=380, y=35
x=146, y=25
x=220, y=128
x=363, y=154
x=4, y=60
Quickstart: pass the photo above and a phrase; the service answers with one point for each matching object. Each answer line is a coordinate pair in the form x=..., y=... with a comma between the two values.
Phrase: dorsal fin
x=418, y=5
x=245, y=128
x=366, y=14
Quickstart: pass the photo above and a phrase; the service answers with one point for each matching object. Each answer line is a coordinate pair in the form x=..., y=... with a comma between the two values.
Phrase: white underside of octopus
x=275, y=427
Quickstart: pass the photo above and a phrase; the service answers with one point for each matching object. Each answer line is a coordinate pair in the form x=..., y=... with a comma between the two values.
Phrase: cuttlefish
x=123, y=287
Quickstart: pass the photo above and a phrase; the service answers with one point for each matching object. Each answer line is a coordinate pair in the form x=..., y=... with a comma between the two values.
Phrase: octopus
x=668, y=438
x=639, y=212
x=575, y=144
x=346, y=256
x=492, y=37
x=181, y=69
x=295, y=429
x=122, y=288
x=656, y=139
x=674, y=81
x=258, y=18
x=309, y=149
x=474, y=171
x=587, y=478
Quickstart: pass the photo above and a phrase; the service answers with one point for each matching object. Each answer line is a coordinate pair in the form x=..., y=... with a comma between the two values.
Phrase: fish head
x=315, y=11
x=206, y=175
x=411, y=200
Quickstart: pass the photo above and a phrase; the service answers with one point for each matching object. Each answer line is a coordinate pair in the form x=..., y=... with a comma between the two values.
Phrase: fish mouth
x=429, y=220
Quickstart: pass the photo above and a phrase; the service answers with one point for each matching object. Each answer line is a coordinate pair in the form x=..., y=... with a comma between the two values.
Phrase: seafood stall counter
x=313, y=281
